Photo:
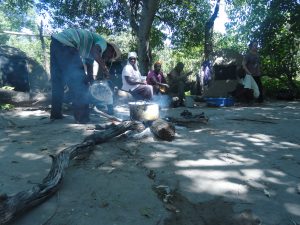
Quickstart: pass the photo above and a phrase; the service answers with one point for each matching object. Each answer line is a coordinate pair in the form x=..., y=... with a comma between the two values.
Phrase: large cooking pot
x=143, y=111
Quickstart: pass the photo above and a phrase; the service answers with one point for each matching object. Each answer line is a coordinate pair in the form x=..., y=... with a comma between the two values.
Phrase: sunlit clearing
x=289, y=144
x=213, y=182
x=19, y=133
x=163, y=156
x=254, y=174
x=293, y=208
x=155, y=164
x=215, y=162
x=30, y=113
x=276, y=173
x=29, y=156
x=234, y=143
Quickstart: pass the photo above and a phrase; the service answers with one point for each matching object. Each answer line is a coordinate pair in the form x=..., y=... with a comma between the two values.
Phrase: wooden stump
x=163, y=129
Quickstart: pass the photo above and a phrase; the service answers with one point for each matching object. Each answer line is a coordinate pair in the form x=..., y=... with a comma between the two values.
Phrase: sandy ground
x=240, y=168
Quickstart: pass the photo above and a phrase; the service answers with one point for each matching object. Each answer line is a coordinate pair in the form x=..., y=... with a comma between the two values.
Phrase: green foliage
x=273, y=85
x=8, y=88
x=6, y=106
x=275, y=25
x=30, y=45
x=181, y=21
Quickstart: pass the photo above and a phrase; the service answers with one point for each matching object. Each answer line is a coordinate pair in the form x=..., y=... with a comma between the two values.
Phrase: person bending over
x=69, y=49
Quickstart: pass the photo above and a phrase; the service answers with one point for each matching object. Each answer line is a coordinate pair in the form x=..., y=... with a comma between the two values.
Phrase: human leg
x=72, y=72
x=260, y=87
x=57, y=81
x=181, y=88
x=143, y=92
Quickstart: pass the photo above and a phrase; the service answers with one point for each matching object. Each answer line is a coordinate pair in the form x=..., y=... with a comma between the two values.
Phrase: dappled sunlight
x=159, y=159
x=213, y=182
x=155, y=164
x=276, y=173
x=29, y=156
x=224, y=161
x=293, y=208
x=164, y=155
x=24, y=114
x=289, y=144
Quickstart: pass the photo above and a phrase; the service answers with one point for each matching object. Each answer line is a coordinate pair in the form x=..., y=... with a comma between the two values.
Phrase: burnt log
x=163, y=129
x=11, y=206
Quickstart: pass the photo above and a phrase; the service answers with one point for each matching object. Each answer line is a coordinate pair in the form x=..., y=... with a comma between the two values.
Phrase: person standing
x=251, y=64
x=156, y=78
x=133, y=81
x=69, y=51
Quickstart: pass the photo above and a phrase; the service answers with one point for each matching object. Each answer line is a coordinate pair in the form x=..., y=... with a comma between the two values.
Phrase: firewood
x=11, y=206
x=163, y=129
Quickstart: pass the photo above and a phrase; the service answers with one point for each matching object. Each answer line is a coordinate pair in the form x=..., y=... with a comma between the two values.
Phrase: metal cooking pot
x=143, y=111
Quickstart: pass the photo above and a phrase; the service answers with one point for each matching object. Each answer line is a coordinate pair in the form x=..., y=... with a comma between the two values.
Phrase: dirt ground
x=240, y=168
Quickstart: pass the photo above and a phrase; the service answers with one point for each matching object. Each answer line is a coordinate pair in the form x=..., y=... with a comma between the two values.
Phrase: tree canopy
x=273, y=23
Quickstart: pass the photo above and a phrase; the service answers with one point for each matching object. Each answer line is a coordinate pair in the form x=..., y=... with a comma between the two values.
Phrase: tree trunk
x=44, y=52
x=148, y=13
x=209, y=25
x=141, y=26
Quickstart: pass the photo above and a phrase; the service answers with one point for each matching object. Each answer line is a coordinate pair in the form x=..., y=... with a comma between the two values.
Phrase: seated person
x=133, y=82
x=157, y=80
x=247, y=89
x=177, y=81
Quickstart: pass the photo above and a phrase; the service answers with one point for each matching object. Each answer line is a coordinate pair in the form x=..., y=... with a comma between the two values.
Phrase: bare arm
x=96, y=53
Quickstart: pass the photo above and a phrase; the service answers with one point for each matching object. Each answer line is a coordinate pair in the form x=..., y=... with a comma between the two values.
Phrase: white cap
x=132, y=55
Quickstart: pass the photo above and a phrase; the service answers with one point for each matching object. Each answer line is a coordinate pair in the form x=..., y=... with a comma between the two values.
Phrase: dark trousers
x=260, y=87
x=66, y=68
x=242, y=94
x=178, y=89
x=142, y=92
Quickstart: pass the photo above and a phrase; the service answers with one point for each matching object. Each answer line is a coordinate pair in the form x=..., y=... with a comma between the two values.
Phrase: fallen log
x=11, y=206
x=163, y=129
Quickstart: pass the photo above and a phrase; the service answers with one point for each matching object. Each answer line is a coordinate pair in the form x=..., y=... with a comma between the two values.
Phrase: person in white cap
x=133, y=81
x=69, y=50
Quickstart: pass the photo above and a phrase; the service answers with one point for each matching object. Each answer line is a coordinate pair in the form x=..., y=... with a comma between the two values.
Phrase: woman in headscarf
x=133, y=82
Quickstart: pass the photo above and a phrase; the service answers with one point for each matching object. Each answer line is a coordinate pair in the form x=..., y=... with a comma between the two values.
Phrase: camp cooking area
x=199, y=165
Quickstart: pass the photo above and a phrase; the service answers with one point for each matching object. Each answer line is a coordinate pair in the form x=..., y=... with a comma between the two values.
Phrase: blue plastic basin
x=219, y=102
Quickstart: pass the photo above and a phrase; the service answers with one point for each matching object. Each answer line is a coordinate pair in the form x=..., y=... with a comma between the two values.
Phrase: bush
x=275, y=88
